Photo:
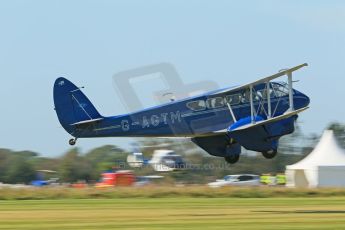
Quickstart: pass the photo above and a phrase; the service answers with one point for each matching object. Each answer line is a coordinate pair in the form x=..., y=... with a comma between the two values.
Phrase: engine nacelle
x=261, y=138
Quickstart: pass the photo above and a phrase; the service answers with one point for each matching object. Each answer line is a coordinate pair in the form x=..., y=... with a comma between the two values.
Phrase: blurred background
x=187, y=164
x=228, y=42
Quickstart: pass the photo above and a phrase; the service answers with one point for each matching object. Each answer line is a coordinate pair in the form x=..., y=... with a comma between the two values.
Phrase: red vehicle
x=119, y=178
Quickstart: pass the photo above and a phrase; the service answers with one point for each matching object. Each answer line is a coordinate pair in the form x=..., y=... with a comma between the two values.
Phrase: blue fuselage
x=197, y=116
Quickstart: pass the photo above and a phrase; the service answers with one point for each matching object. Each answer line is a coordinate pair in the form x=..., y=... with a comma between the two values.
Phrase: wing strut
x=232, y=112
x=268, y=96
x=289, y=74
x=251, y=104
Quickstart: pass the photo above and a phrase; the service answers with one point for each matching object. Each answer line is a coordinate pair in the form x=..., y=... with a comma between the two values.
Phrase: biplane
x=253, y=116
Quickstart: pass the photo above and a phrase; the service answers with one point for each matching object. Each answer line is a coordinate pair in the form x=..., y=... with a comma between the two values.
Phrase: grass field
x=174, y=213
x=61, y=192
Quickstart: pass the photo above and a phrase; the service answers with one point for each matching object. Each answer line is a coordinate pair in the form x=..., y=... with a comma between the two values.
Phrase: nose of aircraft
x=303, y=100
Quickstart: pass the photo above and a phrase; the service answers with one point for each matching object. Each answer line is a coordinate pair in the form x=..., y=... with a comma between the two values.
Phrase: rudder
x=71, y=105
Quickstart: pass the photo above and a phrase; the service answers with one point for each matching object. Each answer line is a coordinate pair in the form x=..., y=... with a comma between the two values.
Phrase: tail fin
x=71, y=105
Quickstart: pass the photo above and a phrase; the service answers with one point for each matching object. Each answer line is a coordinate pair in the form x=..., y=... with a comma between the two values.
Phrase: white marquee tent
x=323, y=167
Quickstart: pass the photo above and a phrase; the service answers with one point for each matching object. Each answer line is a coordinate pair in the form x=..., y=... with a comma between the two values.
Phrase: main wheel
x=72, y=141
x=232, y=159
x=270, y=154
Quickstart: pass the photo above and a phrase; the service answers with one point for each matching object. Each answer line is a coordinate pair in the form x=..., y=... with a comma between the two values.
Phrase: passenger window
x=215, y=102
x=233, y=99
x=246, y=96
x=257, y=95
x=197, y=105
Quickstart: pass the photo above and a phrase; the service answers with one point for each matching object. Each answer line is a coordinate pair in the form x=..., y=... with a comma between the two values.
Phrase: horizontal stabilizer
x=87, y=121
x=273, y=119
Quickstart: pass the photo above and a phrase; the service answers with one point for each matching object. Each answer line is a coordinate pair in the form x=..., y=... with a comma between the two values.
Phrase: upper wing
x=262, y=80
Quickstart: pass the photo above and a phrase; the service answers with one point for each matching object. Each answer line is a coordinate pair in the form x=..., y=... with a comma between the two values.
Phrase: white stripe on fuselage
x=155, y=120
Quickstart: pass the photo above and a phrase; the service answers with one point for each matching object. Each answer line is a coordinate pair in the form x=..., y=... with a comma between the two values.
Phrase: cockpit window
x=280, y=90
x=197, y=105
x=233, y=99
x=276, y=90
x=263, y=93
x=215, y=102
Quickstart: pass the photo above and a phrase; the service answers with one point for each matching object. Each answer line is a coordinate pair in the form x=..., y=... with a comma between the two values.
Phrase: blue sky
x=230, y=42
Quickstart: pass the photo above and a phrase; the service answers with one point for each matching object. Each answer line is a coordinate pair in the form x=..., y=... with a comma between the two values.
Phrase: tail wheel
x=72, y=141
x=232, y=159
x=270, y=154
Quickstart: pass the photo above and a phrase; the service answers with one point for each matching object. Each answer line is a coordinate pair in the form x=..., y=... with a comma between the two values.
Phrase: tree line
x=73, y=166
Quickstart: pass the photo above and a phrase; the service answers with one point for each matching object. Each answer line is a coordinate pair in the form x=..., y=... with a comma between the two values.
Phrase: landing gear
x=232, y=152
x=232, y=159
x=72, y=141
x=270, y=154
